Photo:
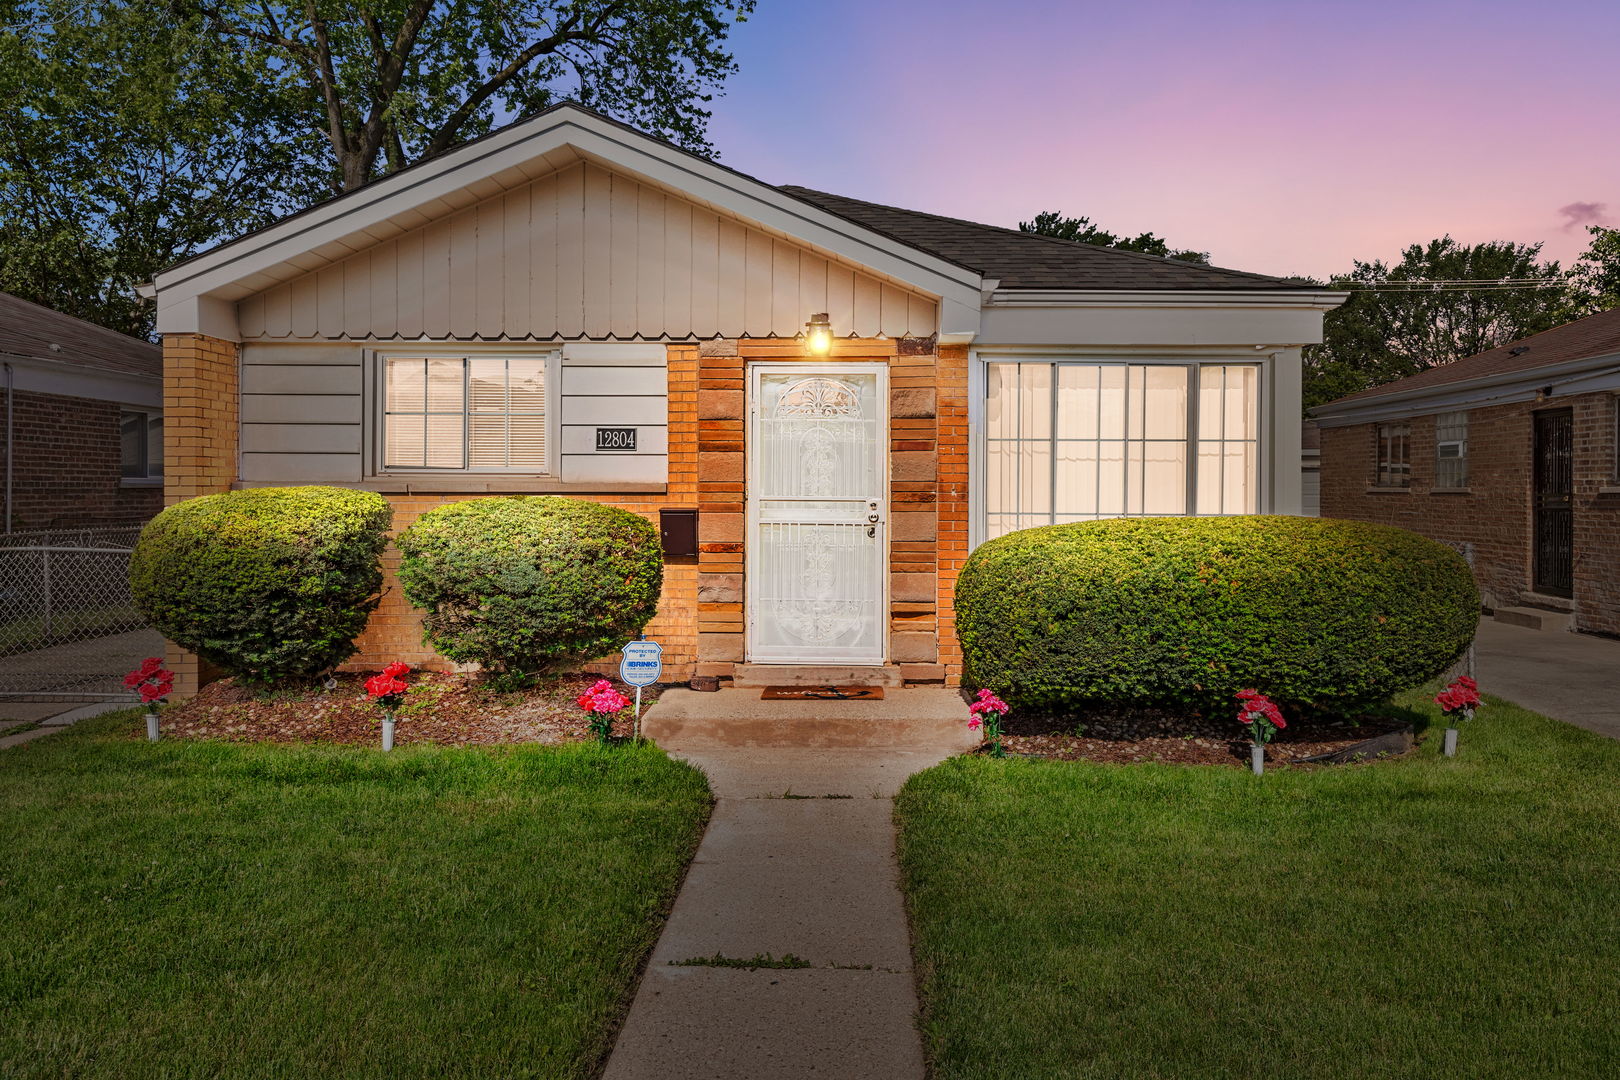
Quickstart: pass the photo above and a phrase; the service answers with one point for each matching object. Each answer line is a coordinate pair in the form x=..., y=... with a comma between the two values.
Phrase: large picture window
x=475, y=414
x=1079, y=441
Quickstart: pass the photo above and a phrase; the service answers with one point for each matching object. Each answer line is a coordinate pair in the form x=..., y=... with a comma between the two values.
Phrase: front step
x=762, y=675
x=916, y=717
x=1534, y=618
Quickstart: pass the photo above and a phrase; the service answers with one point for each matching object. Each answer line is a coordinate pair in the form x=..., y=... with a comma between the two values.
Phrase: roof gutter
x=1495, y=389
x=1311, y=299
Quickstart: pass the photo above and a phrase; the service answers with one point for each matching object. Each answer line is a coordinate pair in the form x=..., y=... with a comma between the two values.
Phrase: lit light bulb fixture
x=818, y=335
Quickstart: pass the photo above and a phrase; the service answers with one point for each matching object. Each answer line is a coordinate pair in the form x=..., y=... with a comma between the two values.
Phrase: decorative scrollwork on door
x=821, y=398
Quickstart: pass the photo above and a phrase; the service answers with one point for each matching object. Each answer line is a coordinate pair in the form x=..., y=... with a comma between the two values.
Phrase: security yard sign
x=642, y=664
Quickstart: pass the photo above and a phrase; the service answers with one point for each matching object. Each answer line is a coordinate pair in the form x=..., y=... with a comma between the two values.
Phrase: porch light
x=818, y=334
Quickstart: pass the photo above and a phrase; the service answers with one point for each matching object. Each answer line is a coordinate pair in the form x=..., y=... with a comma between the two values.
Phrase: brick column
x=914, y=510
x=951, y=373
x=200, y=428
x=720, y=473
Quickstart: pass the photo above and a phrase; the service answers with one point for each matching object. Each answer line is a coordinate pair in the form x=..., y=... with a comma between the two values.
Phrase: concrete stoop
x=737, y=717
x=760, y=675
x=1535, y=618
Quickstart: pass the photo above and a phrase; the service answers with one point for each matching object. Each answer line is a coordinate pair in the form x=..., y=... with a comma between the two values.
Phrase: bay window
x=472, y=414
x=1074, y=441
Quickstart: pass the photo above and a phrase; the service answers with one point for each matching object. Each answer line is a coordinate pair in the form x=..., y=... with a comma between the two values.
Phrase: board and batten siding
x=584, y=253
x=306, y=418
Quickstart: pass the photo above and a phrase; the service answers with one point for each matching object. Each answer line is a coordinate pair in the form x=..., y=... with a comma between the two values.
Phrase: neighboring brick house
x=848, y=396
x=82, y=439
x=1514, y=451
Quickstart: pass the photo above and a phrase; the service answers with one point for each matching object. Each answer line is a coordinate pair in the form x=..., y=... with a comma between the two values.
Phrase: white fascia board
x=76, y=380
x=1309, y=299
x=344, y=220
x=1589, y=375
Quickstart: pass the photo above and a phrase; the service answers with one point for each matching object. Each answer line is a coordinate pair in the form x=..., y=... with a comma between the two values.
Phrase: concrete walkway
x=1570, y=677
x=798, y=860
x=51, y=718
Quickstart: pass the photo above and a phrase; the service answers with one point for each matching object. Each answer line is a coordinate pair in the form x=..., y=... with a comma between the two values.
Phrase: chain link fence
x=68, y=626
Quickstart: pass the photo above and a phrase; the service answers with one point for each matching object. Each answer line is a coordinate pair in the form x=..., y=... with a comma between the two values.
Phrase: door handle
x=874, y=514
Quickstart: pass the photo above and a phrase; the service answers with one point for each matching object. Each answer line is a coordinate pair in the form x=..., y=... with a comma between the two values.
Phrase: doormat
x=822, y=693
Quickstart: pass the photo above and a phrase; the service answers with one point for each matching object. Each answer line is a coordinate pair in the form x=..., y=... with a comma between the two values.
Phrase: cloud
x=1578, y=215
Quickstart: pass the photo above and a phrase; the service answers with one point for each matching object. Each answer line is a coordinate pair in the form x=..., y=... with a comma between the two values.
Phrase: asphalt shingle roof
x=28, y=329
x=1024, y=260
x=1595, y=335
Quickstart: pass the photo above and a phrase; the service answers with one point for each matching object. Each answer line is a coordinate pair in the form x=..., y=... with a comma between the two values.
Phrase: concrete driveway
x=1571, y=677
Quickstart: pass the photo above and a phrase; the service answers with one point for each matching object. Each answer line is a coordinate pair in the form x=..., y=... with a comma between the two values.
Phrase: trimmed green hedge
x=1184, y=612
x=525, y=583
x=267, y=583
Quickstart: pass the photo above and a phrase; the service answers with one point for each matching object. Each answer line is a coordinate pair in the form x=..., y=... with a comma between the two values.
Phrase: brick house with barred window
x=1516, y=451
x=847, y=396
x=81, y=435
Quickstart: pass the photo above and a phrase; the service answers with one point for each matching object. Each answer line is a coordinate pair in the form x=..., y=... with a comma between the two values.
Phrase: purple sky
x=1283, y=137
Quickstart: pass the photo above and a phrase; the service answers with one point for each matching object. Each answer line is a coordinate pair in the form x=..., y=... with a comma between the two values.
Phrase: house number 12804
x=615, y=438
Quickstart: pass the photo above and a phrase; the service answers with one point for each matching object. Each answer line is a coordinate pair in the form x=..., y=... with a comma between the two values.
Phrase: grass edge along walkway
x=1422, y=917
x=193, y=908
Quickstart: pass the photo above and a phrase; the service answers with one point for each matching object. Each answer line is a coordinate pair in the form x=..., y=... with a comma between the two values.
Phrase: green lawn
x=1417, y=918
x=202, y=909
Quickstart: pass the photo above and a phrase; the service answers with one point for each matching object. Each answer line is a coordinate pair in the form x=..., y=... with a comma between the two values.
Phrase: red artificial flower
x=1461, y=695
x=396, y=669
x=1257, y=707
x=381, y=686
x=151, y=692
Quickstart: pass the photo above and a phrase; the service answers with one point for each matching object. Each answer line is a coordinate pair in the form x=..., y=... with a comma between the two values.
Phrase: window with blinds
x=1451, y=450
x=1070, y=441
x=475, y=414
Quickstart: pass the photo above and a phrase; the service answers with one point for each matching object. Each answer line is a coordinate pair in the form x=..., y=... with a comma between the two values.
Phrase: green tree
x=131, y=139
x=1441, y=302
x=1597, y=272
x=138, y=132
x=393, y=81
x=1082, y=231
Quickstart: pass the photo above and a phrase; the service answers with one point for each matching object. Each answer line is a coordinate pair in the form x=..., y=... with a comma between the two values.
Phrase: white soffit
x=199, y=295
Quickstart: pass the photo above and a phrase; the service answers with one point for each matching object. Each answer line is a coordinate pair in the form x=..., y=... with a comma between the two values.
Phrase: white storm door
x=817, y=545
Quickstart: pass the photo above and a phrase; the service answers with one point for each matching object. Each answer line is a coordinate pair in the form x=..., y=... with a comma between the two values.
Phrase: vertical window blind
x=472, y=413
x=1075, y=441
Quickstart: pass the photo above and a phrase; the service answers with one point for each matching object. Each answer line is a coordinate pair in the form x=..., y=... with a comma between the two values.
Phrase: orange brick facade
x=1494, y=511
x=701, y=619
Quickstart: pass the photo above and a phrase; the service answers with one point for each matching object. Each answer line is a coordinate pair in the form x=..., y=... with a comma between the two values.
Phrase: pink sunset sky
x=1282, y=137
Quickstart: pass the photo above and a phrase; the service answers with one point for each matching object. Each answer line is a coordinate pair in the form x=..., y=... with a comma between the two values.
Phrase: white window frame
x=1458, y=419
x=1379, y=440
x=978, y=426
x=376, y=389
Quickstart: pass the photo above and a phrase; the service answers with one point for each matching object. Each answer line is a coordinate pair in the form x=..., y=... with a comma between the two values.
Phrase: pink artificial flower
x=975, y=722
x=988, y=702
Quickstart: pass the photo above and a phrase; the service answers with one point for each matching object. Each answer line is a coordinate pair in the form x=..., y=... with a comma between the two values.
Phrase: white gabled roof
x=200, y=294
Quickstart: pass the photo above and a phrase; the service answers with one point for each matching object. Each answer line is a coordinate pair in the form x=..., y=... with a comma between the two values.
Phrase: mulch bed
x=447, y=709
x=1178, y=739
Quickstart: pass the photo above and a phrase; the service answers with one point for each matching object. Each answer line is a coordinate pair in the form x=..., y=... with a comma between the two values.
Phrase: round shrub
x=268, y=583
x=1184, y=612
x=524, y=583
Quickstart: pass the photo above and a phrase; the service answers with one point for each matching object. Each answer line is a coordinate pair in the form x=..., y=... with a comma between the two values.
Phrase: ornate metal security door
x=1555, y=502
x=817, y=546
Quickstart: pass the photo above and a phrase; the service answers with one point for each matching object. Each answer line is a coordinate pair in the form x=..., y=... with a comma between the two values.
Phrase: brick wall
x=700, y=618
x=928, y=461
x=395, y=630
x=1494, y=512
x=200, y=396
x=68, y=465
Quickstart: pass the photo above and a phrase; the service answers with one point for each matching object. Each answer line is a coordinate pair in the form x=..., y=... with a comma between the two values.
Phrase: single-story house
x=82, y=443
x=1513, y=451
x=826, y=402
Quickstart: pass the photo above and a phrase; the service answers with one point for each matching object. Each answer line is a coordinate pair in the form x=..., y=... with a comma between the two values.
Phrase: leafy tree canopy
x=138, y=132
x=1441, y=302
x=1597, y=271
x=1081, y=230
